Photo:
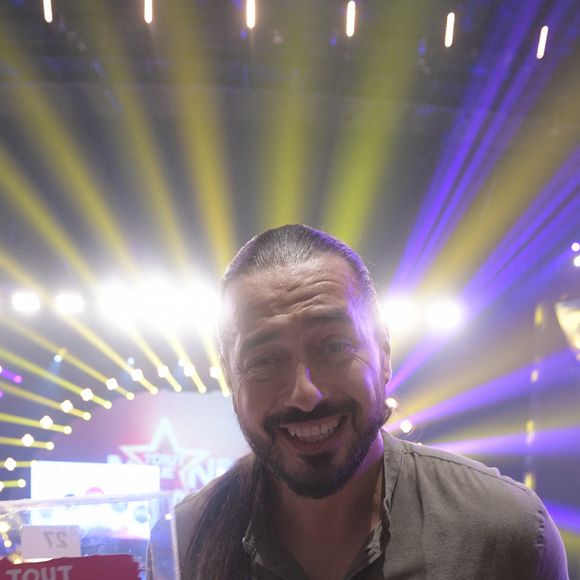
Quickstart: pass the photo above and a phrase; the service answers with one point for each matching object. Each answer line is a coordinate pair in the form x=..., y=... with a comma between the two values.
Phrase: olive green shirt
x=445, y=518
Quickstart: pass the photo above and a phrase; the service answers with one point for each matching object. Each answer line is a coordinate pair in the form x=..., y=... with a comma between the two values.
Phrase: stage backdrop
x=192, y=438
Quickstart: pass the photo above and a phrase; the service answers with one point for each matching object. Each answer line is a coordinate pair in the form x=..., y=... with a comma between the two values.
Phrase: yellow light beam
x=182, y=354
x=7, y=483
x=366, y=151
x=212, y=353
x=17, y=420
x=52, y=141
x=17, y=464
x=39, y=399
x=40, y=372
x=150, y=354
x=18, y=443
x=200, y=129
x=20, y=194
x=51, y=347
x=135, y=132
x=10, y=266
x=509, y=352
x=289, y=140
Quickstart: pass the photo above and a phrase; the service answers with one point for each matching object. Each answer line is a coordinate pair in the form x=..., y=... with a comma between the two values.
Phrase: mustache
x=321, y=411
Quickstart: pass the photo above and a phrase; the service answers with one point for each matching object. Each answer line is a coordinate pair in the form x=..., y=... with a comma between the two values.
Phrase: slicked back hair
x=215, y=549
x=294, y=244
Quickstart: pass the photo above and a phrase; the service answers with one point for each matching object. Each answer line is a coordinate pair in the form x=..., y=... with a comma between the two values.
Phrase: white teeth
x=314, y=433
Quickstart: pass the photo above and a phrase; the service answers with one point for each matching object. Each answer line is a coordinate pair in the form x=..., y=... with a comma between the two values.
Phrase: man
x=325, y=494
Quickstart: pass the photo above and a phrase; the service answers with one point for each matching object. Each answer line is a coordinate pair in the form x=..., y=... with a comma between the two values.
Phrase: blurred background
x=143, y=141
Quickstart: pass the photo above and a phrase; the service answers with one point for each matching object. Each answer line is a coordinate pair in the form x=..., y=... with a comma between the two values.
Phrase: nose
x=305, y=395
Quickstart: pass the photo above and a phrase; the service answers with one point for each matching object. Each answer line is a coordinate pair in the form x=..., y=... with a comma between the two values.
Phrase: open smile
x=307, y=434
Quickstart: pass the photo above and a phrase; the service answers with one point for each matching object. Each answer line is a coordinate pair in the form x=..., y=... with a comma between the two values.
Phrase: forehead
x=276, y=294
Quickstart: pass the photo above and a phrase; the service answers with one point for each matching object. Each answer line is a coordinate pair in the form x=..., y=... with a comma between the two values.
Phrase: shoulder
x=461, y=476
x=463, y=497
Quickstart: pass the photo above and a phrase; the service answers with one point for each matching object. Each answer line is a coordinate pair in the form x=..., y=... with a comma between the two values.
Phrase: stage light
x=10, y=464
x=148, y=11
x=251, y=14
x=542, y=42
x=392, y=403
x=86, y=416
x=189, y=370
x=87, y=394
x=25, y=302
x=67, y=430
x=21, y=483
x=46, y=422
x=575, y=247
x=49, y=446
x=69, y=303
x=445, y=316
x=162, y=371
x=350, y=18
x=160, y=302
x=17, y=379
x=137, y=375
x=108, y=405
x=576, y=261
x=215, y=373
x=202, y=306
x=130, y=396
x=406, y=426
x=27, y=440
x=399, y=314
x=449, y=29
x=47, y=5
x=66, y=406
x=112, y=384
x=117, y=303
x=57, y=358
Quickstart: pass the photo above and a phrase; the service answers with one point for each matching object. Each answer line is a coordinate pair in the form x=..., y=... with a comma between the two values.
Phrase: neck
x=359, y=499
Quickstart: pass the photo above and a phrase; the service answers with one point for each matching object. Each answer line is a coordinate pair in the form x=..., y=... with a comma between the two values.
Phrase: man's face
x=308, y=371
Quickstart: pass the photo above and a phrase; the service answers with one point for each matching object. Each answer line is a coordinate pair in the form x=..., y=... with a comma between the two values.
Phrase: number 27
x=56, y=539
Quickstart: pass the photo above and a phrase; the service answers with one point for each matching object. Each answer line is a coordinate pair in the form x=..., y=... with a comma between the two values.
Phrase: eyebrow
x=259, y=339
x=327, y=317
x=317, y=319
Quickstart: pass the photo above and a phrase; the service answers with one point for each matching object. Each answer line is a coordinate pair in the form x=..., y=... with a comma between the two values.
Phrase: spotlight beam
x=288, y=141
x=135, y=132
x=17, y=420
x=39, y=399
x=56, y=145
x=201, y=131
x=40, y=372
x=364, y=154
x=21, y=195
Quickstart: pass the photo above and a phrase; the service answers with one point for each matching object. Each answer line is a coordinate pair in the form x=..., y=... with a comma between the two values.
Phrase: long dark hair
x=215, y=551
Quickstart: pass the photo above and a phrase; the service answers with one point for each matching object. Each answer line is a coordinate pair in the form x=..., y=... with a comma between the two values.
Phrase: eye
x=262, y=363
x=337, y=346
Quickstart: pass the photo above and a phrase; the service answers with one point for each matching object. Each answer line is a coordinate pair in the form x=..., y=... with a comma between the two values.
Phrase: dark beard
x=322, y=479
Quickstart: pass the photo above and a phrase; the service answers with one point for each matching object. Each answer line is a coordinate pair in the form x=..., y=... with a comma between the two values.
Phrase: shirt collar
x=259, y=541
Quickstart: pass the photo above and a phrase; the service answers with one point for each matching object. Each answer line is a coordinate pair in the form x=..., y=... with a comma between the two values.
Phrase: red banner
x=117, y=566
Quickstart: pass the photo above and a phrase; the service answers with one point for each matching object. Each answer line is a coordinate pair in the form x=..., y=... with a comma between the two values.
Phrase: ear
x=385, y=354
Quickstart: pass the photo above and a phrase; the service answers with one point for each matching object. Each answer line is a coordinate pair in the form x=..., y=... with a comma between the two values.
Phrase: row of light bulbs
x=350, y=21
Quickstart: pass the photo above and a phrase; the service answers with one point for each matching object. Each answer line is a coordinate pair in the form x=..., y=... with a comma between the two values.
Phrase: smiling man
x=325, y=494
